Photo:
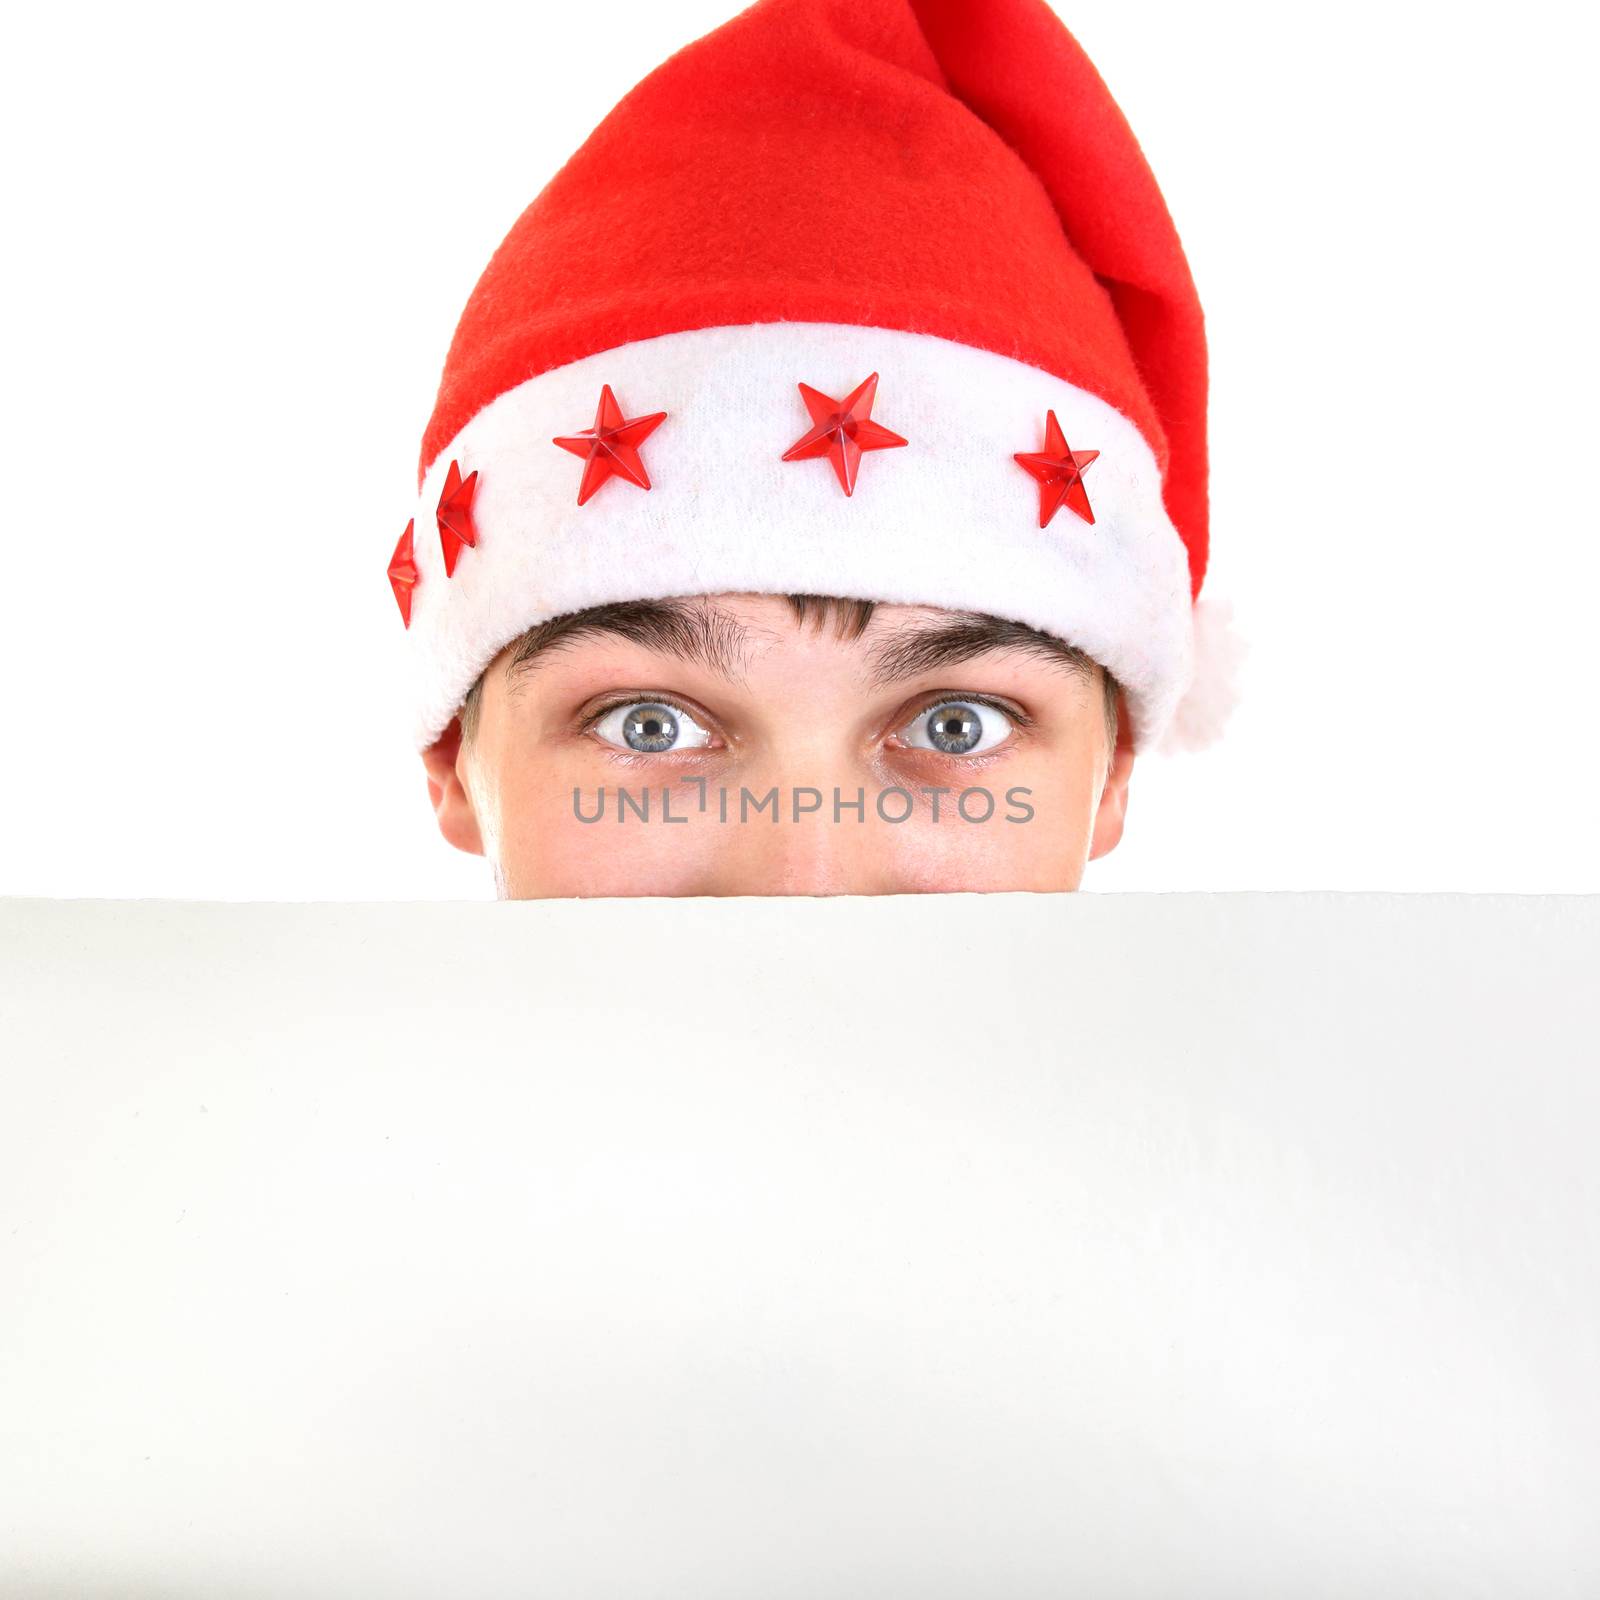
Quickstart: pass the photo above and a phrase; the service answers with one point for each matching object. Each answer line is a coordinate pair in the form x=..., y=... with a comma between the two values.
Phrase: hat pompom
x=1214, y=687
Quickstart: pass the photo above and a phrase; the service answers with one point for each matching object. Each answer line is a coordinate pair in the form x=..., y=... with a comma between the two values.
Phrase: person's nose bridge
x=820, y=839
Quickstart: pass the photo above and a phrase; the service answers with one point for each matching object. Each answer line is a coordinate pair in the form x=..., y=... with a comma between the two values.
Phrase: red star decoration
x=456, y=530
x=1060, y=473
x=611, y=447
x=403, y=572
x=842, y=431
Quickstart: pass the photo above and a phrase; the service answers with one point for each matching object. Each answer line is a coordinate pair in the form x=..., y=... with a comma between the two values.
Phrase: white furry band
x=948, y=520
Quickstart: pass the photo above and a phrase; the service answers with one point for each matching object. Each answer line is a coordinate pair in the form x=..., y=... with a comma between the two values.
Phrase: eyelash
x=593, y=719
x=1019, y=717
x=959, y=697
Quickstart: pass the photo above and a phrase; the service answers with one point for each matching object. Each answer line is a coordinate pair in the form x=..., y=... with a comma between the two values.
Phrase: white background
x=239, y=240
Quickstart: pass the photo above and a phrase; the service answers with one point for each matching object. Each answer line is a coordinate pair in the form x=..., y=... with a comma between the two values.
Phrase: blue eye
x=957, y=728
x=650, y=727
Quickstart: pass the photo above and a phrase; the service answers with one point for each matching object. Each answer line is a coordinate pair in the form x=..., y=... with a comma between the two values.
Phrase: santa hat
x=874, y=298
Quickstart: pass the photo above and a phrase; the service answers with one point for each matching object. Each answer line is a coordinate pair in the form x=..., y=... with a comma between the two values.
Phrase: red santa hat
x=875, y=298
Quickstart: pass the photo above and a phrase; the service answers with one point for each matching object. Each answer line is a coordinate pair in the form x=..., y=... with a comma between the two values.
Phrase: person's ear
x=447, y=789
x=1113, y=808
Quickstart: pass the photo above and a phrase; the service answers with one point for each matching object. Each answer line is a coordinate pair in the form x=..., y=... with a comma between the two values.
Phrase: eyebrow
x=698, y=631
x=693, y=630
x=913, y=648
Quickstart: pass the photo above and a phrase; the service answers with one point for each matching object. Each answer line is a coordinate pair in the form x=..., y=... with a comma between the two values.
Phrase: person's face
x=922, y=756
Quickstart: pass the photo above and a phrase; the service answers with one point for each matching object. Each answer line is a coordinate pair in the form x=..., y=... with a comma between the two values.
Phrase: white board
x=997, y=1246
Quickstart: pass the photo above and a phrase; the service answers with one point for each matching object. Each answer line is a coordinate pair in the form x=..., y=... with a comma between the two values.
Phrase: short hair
x=649, y=621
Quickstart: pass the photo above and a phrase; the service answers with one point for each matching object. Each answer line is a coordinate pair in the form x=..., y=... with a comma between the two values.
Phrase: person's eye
x=957, y=728
x=651, y=727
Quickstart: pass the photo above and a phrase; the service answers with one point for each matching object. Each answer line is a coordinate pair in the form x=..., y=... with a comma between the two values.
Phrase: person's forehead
x=726, y=635
x=731, y=634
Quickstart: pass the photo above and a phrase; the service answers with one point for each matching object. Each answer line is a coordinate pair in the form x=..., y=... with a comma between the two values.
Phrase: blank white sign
x=1003, y=1246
